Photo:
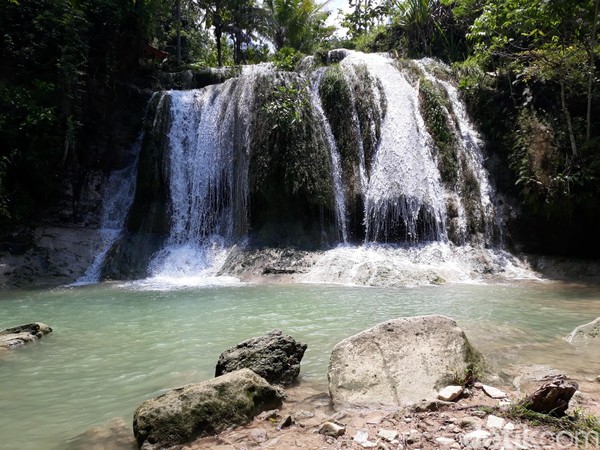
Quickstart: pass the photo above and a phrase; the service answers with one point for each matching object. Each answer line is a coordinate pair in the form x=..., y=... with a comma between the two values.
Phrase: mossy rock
x=196, y=410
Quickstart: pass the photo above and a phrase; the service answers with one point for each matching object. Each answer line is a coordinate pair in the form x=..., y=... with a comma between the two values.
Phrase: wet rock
x=23, y=334
x=115, y=435
x=332, y=429
x=551, y=398
x=195, y=410
x=450, y=393
x=275, y=357
x=584, y=334
x=398, y=362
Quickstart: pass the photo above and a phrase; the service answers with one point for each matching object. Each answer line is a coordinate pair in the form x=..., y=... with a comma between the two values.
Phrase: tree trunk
x=178, y=13
x=218, y=34
x=563, y=101
x=591, y=70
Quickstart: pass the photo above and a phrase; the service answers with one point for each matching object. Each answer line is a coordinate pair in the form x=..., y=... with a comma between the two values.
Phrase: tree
x=298, y=24
x=552, y=41
x=365, y=14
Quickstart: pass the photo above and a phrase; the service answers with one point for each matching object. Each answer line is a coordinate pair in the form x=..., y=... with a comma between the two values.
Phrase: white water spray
x=404, y=186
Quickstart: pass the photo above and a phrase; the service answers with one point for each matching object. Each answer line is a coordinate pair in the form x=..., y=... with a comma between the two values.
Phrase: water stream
x=115, y=345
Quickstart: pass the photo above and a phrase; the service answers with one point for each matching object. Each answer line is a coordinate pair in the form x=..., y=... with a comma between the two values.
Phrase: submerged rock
x=586, y=333
x=398, y=362
x=195, y=410
x=275, y=357
x=23, y=334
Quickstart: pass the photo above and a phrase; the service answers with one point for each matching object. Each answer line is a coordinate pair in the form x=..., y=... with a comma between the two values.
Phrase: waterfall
x=369, y=172
x=117, y=197
x=206, y=166
x=404, y=192
x=336, y=168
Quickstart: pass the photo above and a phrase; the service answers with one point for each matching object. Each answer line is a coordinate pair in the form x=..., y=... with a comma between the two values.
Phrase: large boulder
x=195, y=410
x=586, y=333
x=23, y=334
x=399, y=362
x=275, y=357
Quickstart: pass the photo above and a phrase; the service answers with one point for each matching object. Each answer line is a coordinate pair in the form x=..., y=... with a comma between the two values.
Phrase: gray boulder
x=23, y=334
x=195, y=410
x=275, y=357
x=399, y=362
x=587, y=333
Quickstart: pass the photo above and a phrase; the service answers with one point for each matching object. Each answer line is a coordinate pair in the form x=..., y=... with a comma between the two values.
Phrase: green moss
x=435, y=110
x=579, y=423
x=290, y=170
x=337, y=104
x=410, y=69
x=474, y=371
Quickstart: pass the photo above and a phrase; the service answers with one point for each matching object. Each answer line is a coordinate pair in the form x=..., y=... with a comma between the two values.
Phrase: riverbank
x=476, y=421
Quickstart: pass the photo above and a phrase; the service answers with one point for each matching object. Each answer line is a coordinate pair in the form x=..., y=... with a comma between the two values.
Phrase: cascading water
x=404, y=188
x=118, y=195
x=383, y=177
x=207, y=172
x=336, y=168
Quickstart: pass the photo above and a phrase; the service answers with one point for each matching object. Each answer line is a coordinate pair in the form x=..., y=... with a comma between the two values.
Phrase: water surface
x=115, y=345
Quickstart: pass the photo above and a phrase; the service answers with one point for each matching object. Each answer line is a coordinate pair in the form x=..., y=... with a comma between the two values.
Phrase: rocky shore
x=377, y=397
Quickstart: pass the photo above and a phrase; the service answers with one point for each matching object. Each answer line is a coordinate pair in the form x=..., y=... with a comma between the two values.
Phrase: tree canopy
x=528, y=69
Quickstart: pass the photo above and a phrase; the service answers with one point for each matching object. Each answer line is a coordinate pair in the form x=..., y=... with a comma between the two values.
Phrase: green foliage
x=579, y=423
x=289, y=159
x=299, y=24
x=286, y=105
x=287, y=58
x=436, y=113
x=365, y=15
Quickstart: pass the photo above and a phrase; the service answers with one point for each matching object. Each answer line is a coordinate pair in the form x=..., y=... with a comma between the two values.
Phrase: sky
x=333, y=6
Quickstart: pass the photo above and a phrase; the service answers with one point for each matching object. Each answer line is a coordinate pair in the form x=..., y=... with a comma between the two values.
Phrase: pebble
x=258, y=435
x=362, y=438
x=332, y=429
x=476, y=435
x=266, y=415
x=493, y=392
x=445, y=441
x=450, y=393
x=285, y=422
x=471, y=423
x=495, y=422
x=388, y=435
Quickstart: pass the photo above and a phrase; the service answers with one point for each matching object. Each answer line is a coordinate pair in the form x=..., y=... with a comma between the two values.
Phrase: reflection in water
x=115, y=345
